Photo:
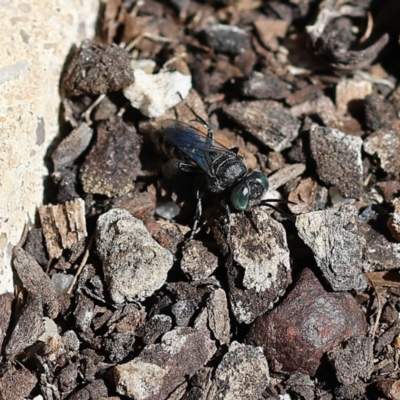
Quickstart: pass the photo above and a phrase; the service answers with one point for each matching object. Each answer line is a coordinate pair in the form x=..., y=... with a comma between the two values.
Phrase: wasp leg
x=173, y=166
x=228, y=217
x=197, y=216
x=188, y=167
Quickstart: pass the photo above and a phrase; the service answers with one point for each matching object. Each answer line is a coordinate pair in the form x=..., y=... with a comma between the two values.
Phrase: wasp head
x=250, y=191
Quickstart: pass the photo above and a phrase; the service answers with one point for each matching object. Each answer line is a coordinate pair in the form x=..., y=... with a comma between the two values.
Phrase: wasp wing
x=193, y=143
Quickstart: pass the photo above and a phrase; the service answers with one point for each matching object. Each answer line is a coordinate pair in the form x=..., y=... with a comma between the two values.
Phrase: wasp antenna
x=285, y=214
x=281, y=201
x=198, y=118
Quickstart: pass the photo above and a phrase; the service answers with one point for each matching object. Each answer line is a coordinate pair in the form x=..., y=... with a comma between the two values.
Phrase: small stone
x=183, y=310
x=117, y=346
x=269, y=30
x=167, y=210
x=242, y=374
x=355, y=360
x=134, y=264
x=36, y=247
x=385, y=143
x=378, y=253
x=351, y=90
x=62, y=282
x=389, y=189
x=285, y=175
x=113, y=163
x=29, y=327
x=97, y=68
x=354, y=391
x=335, y=241
x=394, y=220
x=390, y=388
x=168, y=234
x=198, y=262
x=155, y=327
x=218, y=316
x=338, y=159
x=379, y=113
x=154, y=94
x=314, y=102
x=70, y=341
x=95, y=390
x=67, y=377
x=267, y=121
x=260, y=272
x=84, y=312
x=140, y=203
x=36, y=281
x=226, y=39
x=308, y=196
x=51, y=338
x=6, y=300
x=265, y=86
x=72, y=147
x=306, y=325
x=302, y=385
x=16, y=383
x=161, y=368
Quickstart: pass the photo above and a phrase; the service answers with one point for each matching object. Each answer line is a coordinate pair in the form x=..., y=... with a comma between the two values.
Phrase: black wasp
x=225, y=172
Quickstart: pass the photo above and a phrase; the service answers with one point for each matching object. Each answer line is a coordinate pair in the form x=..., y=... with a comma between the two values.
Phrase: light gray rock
x=134, y=264
x=242, y=374
x=386, y=145
x=161, y=368
x=260, y=272
x=336, y=243
x=197, y=261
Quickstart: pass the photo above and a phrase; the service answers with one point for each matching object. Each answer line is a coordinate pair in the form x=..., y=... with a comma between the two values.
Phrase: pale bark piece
x=63, y=225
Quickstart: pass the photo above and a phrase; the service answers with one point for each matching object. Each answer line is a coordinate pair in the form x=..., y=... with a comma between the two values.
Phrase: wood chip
x=63, y=225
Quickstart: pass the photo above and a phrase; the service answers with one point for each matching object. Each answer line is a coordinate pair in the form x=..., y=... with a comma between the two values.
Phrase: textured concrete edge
x=36, y=37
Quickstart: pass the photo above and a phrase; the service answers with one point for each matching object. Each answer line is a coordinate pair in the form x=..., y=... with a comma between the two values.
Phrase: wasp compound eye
x=240, y=197
x=261, y=179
